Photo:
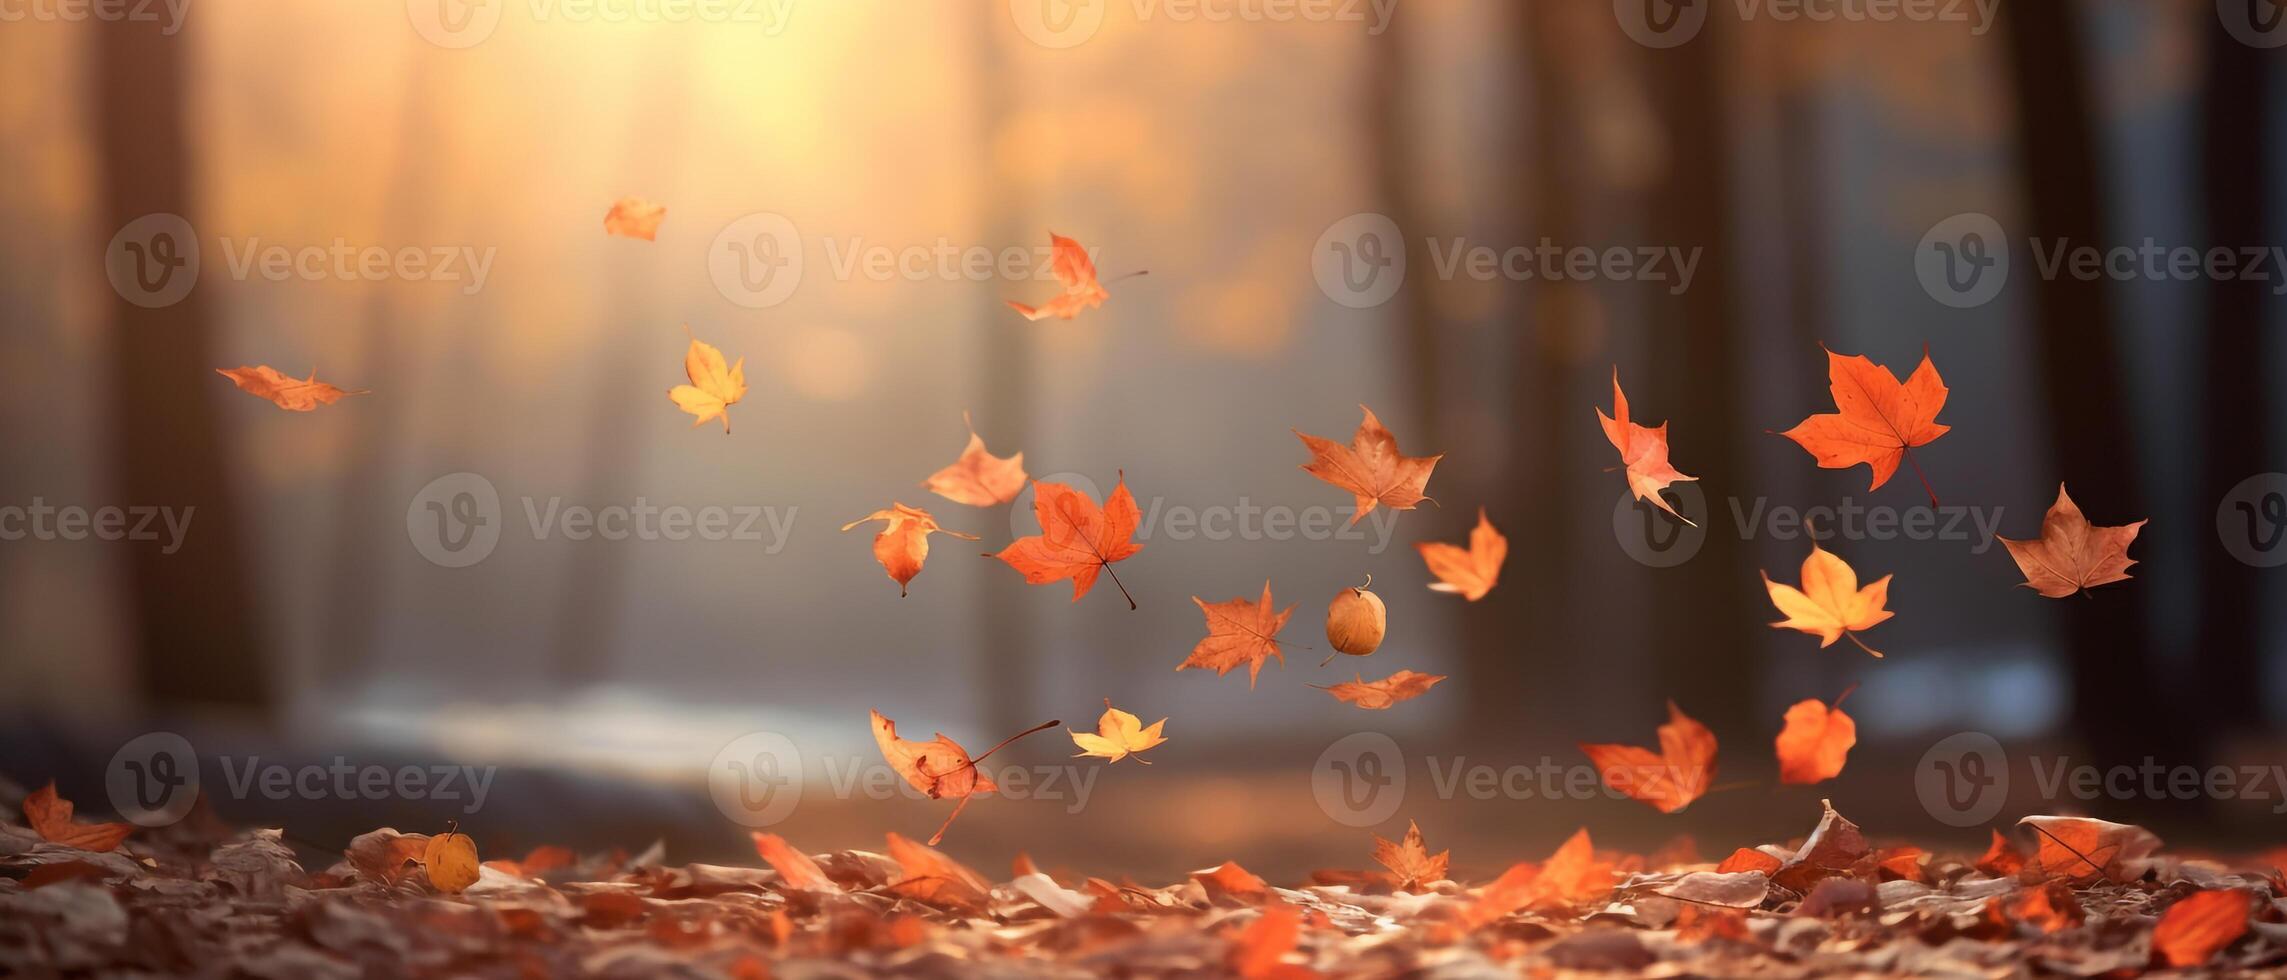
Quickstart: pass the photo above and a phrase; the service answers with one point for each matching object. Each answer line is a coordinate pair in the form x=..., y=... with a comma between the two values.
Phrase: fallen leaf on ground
x=2200, y=924
x=793, y=866
x=2073, y=555
x=1370, y=467
x=2083, y=848
x=1411, y=865
x=50, y=816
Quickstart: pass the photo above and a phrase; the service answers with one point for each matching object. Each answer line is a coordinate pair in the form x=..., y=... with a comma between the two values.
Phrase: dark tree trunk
x=1712, y=612
x=2120, y=710
x=1004, y=377
x=1387, y=116
x=197, y=638
x=2235, y=175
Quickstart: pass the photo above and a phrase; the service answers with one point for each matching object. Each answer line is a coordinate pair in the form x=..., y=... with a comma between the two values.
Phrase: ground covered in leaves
x=2065, y=896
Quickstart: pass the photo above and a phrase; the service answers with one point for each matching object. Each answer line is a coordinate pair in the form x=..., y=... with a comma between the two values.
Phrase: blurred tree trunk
x=1388, y=122
x=2120, y=709
x=1503, y=697
x=2236, y=169
x=1004, y=365
x=1711, y=612
x=1802, y=157
x=198, y=641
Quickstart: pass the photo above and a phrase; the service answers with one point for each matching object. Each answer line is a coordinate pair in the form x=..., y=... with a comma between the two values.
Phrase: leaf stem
x=1853, y=635
x=1908, y=452
x=1116, y=581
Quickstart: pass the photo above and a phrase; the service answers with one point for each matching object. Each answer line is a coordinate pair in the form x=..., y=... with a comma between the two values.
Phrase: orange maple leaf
x=634, y=217
x=1404, y=685
x=978, y=478
x=1878, y=420
x=1574, y=874
x=1830, y=605
x=2072, y=555
x=2084, y=848
x=1231, y=879
x=1370, y=467
x=903, y=545
x=2001, y=859
x=1411, y=865
x=1077, y=273
x=1644, y=452
x=291, y=394
x=939, y=768
x=1814, y=743
x=794, y=868
x=49, y=815
x=715, y=385
x=1239, y=631
x=1669, y=779
x=1468, y=573
x=2201, y=924
x=1077, y=539
x=930, y=876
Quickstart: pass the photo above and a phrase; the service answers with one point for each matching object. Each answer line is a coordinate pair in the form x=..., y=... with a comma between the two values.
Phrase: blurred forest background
x=1807, y=159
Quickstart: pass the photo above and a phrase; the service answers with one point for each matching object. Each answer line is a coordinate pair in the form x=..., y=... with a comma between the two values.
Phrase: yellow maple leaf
x=1118, y=735
x=1830, y=605
x=715, y=385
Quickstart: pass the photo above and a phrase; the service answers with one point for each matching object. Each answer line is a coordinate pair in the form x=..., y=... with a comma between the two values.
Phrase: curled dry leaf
x=634, y=217
x=1077, y=539
x=1404, y=685
x=793, y=867
x=940, y=767
x=1830, y=605
x=1643, y=452
x=1239, y=631
x=1230, y=879
x=1370, y=467
x=1878, y=420
x=903, y=545
x=2085, y=848
x=2201, y=924
x=930, y=876
x=1834, y=848
x=1118, y=735
x=1471, y=572
x=50, y=816
x=1076, y=272
x=1815, y=742
x=2072, y=555
x=2001, y=859
x=978, y=478
x=1669, y=779
x=291, y=394
x=1572, y=875
x=1411, y=865
x=715, y=385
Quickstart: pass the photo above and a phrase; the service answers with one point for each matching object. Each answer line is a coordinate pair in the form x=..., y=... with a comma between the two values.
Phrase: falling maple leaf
x=291, y=394
x=1830, y=605
x=1239, y=631
x=978, y=478
x=1669, y=779
x=939, y=768
x=1118, y=735
x=1077, y=539
x=1077, y=273
x=634, y=217
x=1814, y=743
x=49, y=815
x=1411, y=865
x=1471, y=572
x=1370, y=467
x=715, y=385
x=903, y=545
x=2201, y=924
x=1643, y=452
x=1878, y=420
x=2072, y=555
x=1404, y=685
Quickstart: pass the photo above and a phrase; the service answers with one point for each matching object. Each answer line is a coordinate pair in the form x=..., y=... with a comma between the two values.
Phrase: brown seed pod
x=1355, y=621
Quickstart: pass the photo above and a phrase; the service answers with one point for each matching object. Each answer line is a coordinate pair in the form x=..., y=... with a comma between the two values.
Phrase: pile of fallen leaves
x=2086, y=898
